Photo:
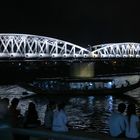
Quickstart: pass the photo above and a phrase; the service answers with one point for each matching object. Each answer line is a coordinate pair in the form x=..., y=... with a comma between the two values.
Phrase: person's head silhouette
x=121, y=107
x=15, y=102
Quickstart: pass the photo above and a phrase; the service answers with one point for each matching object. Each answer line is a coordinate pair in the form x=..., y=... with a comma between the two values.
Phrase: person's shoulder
x=120, y=115
x=62, y=111
x=135, y=117
x=115, y=114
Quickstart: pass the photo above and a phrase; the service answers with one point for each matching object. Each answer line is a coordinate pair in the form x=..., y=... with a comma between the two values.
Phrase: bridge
x=116, y=50
x=30, y=56
x=15, y=46
x=32, y=46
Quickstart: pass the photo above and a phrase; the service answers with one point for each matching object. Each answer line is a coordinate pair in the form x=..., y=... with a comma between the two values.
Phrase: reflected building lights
x=110, y=103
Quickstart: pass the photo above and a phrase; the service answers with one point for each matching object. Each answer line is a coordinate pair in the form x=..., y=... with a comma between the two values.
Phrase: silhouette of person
x=31, y=116
x=132, y=122
x=117, y=122
x=48, y=119
x=14, y=112
x=5, y=128
x=60, y=119
x=7, y=115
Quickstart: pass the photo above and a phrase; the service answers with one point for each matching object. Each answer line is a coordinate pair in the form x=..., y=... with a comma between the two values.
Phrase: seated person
x=117, y=122
x=5, y=128
x=31, y=116
x=60, y=119
x=132, y=122
x=14, y=113
x=48, y=119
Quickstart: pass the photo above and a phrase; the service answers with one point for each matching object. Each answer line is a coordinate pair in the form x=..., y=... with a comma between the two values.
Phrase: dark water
x=88, y=113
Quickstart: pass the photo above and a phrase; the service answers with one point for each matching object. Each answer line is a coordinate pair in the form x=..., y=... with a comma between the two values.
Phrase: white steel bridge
x=32, y=46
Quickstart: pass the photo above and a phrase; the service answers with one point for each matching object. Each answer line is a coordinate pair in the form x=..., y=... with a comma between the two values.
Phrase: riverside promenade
x=43, y=134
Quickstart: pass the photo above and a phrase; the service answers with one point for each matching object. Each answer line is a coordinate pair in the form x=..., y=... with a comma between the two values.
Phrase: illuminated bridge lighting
x=117, y=50
x=34, y=47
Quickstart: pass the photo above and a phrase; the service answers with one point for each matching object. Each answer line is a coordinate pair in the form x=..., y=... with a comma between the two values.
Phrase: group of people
x=125, y=122
x=10, y=116
x=55, y=117
x=122, y=123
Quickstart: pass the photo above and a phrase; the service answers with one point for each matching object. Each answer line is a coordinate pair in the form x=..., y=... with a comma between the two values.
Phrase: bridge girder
x=116, y=50
x=32, y=46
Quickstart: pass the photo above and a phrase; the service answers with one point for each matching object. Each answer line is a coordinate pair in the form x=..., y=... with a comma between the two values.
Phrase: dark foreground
x=42, y=134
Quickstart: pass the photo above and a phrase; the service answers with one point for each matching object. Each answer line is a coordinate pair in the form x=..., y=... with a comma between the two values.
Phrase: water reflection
x=88, y=113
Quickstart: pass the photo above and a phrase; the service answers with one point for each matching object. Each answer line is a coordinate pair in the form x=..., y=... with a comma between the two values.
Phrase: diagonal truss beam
x=116, y=50
x=32, y=46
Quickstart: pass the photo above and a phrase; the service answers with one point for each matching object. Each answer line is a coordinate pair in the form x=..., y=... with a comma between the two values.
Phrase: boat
x=66, y=91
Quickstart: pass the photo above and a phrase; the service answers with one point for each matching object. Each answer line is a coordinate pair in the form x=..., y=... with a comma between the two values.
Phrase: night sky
x=83, y=22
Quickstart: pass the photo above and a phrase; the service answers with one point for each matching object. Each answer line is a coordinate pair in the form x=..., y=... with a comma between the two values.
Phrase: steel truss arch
x=33, y=46
x=116, y=50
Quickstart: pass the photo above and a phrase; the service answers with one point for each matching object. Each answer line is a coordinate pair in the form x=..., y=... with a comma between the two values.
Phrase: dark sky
x=81, y=22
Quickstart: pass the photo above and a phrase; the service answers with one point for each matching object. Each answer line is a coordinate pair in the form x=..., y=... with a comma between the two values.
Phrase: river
x=87, y=113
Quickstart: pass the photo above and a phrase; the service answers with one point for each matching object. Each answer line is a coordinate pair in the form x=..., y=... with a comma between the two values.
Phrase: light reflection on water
x=91, y=113
x=88, y=113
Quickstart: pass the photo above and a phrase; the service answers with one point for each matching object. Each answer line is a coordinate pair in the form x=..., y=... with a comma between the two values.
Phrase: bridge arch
x=33, y=46
x=116, y=50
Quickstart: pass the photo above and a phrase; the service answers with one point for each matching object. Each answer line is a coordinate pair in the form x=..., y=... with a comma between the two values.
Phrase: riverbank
x=42, y=134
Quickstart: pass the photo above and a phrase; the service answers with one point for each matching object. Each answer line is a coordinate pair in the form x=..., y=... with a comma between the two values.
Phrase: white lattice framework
x=32, y=46
x=121, y=50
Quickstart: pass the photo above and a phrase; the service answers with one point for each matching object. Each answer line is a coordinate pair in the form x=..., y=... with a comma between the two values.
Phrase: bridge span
x=24, y=46
x=30, y=56
x=34, y=47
